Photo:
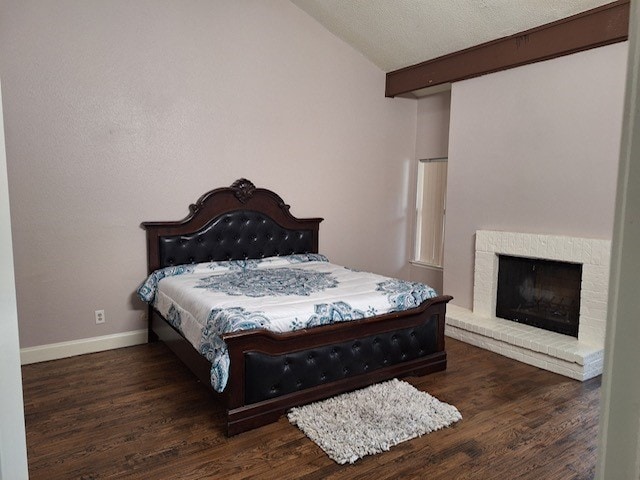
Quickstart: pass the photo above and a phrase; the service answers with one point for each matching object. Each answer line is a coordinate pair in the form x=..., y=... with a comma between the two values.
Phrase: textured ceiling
x=398, y=33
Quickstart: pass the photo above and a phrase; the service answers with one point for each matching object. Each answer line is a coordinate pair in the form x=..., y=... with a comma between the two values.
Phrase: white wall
x=13, y=449
x=432, y=141
x=533, y=149
x=619, y=440
x=119, y=112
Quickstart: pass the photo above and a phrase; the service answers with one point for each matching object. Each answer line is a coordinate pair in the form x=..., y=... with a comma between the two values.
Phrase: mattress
x=280, y=294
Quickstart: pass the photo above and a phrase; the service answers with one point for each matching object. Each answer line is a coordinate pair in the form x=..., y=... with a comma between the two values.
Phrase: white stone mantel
x=580, y=358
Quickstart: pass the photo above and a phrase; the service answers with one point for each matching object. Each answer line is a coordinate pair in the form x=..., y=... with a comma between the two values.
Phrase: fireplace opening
x=540, y=293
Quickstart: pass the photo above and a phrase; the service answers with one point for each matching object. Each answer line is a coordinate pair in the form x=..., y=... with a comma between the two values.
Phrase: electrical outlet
x=100, y=317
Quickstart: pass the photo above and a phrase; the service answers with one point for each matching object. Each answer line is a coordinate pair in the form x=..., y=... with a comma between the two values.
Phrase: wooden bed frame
x=272, y=372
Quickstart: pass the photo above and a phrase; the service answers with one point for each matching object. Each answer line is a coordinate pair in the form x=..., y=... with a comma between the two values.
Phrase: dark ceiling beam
x=594, y=28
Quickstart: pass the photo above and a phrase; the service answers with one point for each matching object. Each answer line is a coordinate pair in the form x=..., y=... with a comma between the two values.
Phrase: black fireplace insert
x=540, y=293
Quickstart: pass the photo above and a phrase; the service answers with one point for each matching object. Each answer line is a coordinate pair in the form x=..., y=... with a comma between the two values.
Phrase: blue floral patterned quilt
x=280, y=294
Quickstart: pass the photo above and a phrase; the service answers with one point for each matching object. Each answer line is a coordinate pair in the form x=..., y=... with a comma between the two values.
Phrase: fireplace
x=541, y=293
x=574, y=347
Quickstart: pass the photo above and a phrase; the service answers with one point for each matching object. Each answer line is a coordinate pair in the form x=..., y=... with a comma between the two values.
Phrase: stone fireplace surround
x=580, y=358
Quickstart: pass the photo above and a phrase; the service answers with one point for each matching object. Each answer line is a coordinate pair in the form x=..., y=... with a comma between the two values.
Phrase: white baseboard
x=54, y=351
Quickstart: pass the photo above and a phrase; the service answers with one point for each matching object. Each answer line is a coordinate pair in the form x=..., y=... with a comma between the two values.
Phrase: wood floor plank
x=138, y=413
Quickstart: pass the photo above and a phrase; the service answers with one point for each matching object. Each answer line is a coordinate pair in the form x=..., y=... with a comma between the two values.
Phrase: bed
x=270, y=372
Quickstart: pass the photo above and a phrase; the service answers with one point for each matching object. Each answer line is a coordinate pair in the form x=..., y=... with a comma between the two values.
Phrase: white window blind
x=430, y=215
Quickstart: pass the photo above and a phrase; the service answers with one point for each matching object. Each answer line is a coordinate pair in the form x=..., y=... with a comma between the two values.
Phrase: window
x=430, y=211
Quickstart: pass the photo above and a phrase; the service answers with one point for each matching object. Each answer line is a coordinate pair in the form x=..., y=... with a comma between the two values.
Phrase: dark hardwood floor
x=138, y=413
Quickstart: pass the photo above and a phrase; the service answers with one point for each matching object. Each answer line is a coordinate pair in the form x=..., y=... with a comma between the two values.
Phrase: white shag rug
x=372, y=420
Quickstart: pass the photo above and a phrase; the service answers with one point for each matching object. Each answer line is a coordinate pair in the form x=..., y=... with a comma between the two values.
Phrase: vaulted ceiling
x=397, y=33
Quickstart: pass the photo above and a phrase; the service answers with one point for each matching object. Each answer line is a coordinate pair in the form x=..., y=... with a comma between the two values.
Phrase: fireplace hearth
x=575, y=346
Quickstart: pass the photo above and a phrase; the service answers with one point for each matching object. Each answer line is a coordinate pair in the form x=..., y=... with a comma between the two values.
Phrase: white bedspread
x=280, y=294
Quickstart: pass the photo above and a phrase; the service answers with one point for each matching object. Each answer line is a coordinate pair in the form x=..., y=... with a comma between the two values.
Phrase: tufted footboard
x=273, y=372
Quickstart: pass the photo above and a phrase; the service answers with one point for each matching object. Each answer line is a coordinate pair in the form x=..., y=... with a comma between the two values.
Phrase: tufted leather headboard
x=231, y=223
